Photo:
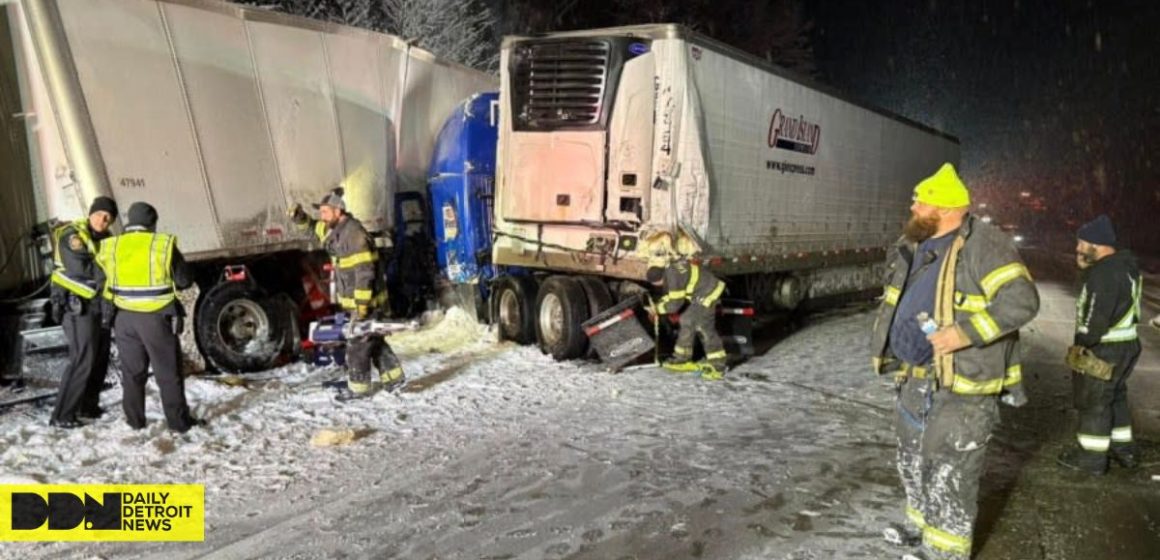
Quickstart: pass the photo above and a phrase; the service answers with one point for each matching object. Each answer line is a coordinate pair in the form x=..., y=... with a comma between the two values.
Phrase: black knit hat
x=142, y=214
x=103, y=204
x=1098, y=231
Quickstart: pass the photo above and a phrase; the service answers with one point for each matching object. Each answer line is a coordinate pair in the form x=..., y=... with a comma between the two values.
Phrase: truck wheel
x=599, y=298
x=561, y=308
x=240, y=329
x=512, y=309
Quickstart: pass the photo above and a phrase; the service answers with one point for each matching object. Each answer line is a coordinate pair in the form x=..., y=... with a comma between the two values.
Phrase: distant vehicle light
x=986, y=219
x=1018, y=238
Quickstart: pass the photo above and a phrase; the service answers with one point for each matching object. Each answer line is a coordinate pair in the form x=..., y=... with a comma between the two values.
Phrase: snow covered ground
x=495, y=451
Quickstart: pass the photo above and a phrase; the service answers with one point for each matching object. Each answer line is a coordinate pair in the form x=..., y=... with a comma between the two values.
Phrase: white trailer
x=620, y=144
x=221, y=117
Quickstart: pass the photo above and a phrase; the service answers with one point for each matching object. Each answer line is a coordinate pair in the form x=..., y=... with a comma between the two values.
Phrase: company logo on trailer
x=794, y=134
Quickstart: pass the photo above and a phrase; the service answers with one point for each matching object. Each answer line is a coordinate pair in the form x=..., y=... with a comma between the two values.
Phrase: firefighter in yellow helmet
x=361, y=291
x=948, y=331
x=144, y=271
x=76, y=281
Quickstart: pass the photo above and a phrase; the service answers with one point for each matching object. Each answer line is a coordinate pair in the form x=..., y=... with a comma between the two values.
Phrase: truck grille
x=560, y=84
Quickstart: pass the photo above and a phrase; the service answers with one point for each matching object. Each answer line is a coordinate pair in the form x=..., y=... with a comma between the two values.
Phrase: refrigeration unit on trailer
x=617, y=145
x=222, y=117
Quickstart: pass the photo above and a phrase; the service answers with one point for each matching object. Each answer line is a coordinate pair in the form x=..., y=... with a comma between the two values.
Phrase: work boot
x=1127, y=455
x=901, y=535
x=353, y=391
x=67, y=423
x=93, y=414
x=1084, y=461
x=392, y=379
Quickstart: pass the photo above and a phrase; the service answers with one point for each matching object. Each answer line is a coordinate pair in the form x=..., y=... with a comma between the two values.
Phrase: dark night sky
x=1061, y=99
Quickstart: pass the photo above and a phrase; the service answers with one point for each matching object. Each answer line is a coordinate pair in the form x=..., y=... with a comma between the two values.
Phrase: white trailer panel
x=752, y=168
x=221, y=116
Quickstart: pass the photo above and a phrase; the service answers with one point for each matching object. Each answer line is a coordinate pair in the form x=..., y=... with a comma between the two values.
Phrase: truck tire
x=240, y=329
x=513, y=309
x=599, y=299
x=560, y=308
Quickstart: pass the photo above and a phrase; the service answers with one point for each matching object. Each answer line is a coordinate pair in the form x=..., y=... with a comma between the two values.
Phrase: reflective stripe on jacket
x=355, y=261
x=138, y=269
x=685, y=281
x=993, y=297
x=78, y=282
x=1108, y=308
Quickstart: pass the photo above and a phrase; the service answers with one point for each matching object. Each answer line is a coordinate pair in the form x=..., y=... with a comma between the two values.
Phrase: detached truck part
x=221, y=117
x=617, y=145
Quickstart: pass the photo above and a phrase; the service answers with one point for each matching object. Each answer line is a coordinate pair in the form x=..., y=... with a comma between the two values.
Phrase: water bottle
x=926, y=323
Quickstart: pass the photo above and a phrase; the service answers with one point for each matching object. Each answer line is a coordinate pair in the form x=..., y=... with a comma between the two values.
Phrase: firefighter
x=360, y=290
x=76, y=280
x=948, y=329
x=1107, y=312
x=693, y=292
x=143, y=272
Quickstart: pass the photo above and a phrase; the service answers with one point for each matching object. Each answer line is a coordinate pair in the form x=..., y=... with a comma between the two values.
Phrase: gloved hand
x=297, y=214
x=1082, y=360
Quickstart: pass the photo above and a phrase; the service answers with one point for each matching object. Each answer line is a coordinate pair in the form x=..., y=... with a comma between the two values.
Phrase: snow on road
x=496, y=451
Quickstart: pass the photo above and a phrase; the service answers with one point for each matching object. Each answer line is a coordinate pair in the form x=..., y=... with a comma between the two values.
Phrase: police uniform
x=76, y=280
x=144, y=270
x=694, y=292
x=361, y=291
x=1107, y=313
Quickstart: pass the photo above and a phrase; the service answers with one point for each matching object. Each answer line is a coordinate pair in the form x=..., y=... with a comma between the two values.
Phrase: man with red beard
x=948, y=330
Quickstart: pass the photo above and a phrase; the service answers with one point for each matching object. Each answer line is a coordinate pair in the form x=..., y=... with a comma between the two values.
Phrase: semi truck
x=610, y=149
x=222, y=117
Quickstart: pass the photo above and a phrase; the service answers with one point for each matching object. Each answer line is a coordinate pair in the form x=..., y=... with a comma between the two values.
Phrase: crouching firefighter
x=76, y=281
x=144, y=270
x=360, y=288
x=948, y=330
x=1106, y=348
x=693, y=292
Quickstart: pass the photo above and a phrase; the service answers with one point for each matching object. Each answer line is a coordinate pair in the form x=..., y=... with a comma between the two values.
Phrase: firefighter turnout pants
x=365, y=352
x=1104, y=419
x=88, y=364
x=144, y=339
x=699, y=321
x=942, y=438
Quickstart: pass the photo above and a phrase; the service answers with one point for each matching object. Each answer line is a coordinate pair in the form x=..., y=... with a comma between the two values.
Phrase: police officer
x=694, y=292
x=948, y=329
x=360, y=290
x=76, y=280
x=1107, y=313
x=143, y=271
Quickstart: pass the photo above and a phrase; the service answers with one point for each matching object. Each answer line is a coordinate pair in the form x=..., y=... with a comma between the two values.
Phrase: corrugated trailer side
x=792, y=168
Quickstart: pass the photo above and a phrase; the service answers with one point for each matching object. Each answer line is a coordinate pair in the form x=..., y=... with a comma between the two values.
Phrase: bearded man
x=948, y=330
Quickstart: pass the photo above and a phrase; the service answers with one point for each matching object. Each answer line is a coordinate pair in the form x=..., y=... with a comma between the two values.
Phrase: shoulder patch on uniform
x=75, y=243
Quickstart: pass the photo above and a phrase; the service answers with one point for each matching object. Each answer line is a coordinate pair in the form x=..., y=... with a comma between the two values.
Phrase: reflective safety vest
x=83, y=287
x=137, y=265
